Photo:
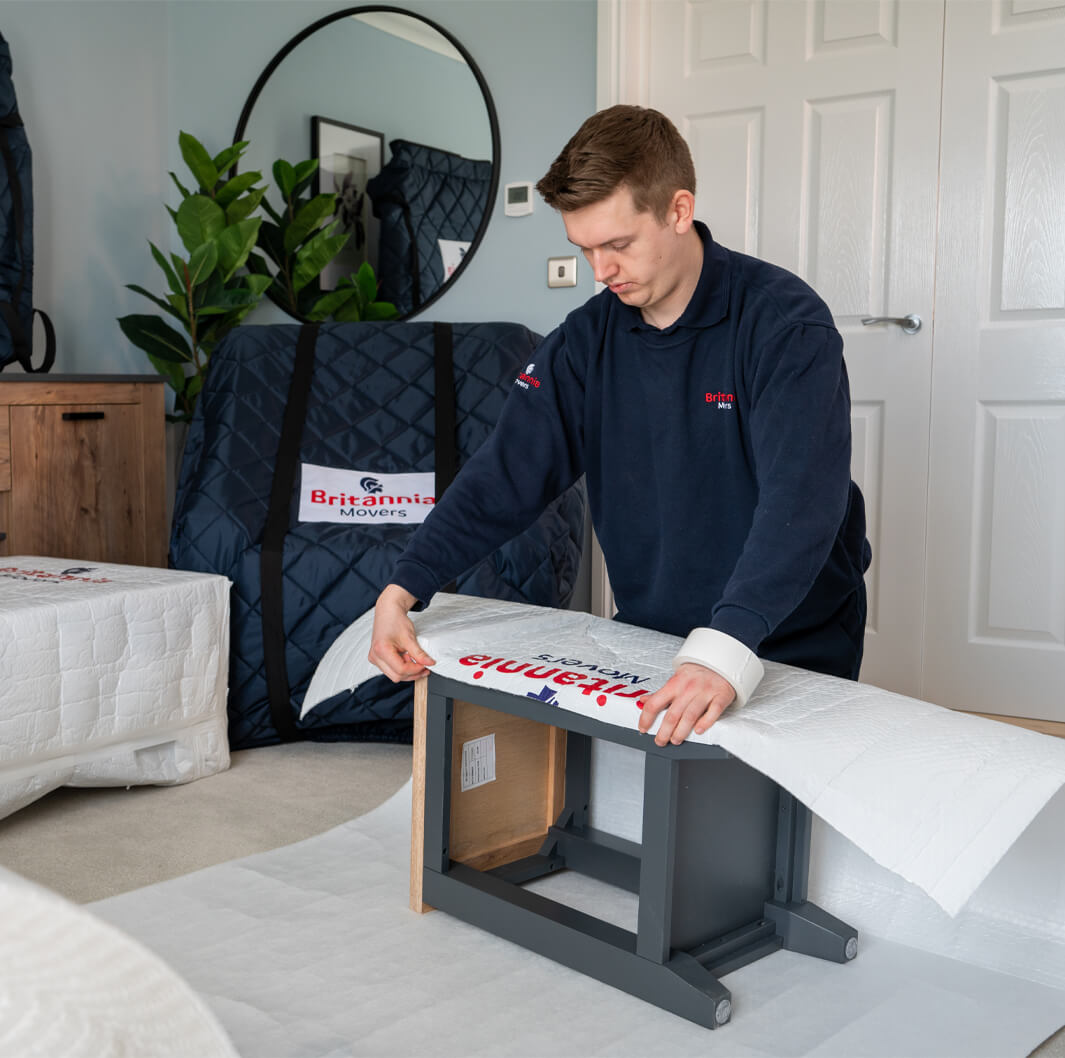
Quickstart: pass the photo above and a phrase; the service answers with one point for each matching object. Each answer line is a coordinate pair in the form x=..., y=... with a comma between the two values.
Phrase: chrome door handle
x=910, y=324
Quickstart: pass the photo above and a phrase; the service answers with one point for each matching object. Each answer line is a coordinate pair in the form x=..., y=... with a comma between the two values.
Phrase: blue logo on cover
x=547, y=696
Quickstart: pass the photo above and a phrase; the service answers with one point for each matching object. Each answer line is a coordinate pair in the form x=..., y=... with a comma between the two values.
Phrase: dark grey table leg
x=803, y=927
x=438, y=725
x=656, y=862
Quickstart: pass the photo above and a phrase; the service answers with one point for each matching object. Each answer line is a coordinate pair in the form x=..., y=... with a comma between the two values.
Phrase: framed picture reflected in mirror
x=348, y=157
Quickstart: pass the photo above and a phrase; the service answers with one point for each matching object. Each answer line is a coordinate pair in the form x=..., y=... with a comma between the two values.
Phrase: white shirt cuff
x=726, y=656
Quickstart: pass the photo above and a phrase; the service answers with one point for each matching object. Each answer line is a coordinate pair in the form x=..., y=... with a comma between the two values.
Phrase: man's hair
x=629, y=146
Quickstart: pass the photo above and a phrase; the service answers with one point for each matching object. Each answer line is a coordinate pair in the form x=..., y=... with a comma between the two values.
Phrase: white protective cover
x=110, y=675
x=73, y=985
x=310, y=951
x=934, y=795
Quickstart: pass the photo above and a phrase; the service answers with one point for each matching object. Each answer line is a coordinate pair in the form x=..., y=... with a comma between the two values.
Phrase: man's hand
x=693, y=698
x=394, y=649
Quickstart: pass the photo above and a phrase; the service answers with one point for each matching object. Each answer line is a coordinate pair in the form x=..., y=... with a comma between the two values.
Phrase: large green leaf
x=210, y=291
x=366, y=283
x=329, y=304
x=185, y=192
x=241, y=313
x=284, y=177
x=236, y=187
x=258, y=284
x=304, y=173
x=199, y=220
x=198, y=161
x=211, y=329
x=244, y=206
x=202, y=262
x=257, y=264
x=166, y=306
x=172, y=279
x=350, y=311
x=228, y=300
x=314, y=255
x=180, y=264
x=180, y=307
x=307, y=168
x=308, y=219
x=225, y=158
x=156, y=338
x=235, y=243
x=172, y=372
x=380, y=310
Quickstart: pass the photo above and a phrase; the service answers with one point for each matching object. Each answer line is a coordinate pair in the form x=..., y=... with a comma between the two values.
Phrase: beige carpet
x=88, y=844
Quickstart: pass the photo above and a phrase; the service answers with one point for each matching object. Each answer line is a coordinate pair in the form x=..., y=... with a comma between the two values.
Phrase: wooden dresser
x=82, y=467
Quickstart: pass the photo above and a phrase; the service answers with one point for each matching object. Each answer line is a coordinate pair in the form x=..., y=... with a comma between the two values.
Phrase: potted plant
x=209, y=292
x=300, y=239
x=225, y=272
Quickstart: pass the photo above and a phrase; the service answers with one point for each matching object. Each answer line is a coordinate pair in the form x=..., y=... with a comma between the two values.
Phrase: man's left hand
x=692, y=699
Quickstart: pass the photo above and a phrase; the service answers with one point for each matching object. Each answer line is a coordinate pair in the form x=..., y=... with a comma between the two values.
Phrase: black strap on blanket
x=271, y=569
x=447, y=453
x=445, y=426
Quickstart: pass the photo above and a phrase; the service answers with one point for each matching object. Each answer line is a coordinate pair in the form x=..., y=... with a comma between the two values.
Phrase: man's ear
x=682, y=211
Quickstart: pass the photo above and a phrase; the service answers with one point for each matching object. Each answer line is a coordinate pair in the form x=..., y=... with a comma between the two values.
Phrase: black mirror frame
x=493, y=119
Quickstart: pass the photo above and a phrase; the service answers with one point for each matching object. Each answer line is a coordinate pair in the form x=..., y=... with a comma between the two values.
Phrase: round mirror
x=405, y=133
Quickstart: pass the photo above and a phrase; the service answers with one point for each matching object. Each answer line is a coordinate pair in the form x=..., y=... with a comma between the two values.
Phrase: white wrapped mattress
x=110, y=675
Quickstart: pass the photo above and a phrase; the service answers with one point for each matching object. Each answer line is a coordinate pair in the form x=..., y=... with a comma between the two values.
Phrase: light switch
x=562, y=271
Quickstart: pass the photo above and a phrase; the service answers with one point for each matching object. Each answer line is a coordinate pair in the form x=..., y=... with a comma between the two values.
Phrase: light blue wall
x=105, y=85
x=92, y=89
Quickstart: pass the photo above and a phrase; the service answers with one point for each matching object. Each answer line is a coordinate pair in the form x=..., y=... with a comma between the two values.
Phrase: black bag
x=381, y=397
x=16, y=235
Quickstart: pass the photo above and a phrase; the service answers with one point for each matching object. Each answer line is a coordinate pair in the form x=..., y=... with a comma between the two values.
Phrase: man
x=705, y=397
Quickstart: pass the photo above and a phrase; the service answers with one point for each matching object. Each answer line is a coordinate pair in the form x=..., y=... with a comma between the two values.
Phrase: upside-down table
x=501, y=795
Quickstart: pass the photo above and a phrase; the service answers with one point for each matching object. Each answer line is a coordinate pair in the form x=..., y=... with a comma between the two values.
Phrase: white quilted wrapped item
x=934, y=795
x=73, y=985
x=110, y=675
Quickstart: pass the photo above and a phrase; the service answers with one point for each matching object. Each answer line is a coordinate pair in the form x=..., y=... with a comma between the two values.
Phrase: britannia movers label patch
x=364, y=497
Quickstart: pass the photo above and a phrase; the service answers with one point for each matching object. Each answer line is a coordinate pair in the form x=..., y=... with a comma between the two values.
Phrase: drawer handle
x=81, y=416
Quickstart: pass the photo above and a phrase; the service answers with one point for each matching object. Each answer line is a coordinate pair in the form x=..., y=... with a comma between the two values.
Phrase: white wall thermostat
x=518, y=199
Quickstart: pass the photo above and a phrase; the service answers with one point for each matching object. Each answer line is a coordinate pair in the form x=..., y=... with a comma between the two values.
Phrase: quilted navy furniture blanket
x=424, y=196
x=369, y=396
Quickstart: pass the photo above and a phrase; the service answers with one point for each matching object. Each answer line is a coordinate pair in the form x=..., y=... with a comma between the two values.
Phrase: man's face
x=640, y=259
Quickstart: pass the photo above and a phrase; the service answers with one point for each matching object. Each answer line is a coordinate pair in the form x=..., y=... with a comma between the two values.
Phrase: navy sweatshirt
x=717, y=455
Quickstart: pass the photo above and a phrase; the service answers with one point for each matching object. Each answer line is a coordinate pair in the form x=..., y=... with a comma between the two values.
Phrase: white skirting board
x=311, y=951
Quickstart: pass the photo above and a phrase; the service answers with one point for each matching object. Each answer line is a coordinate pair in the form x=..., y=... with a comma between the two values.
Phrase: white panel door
x=815, y=131
x=996, y=556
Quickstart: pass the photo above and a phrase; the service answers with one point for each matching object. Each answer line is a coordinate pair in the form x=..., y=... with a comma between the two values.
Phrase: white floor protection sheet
x=310, y=951
x=110, y=675
x=934, y=795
